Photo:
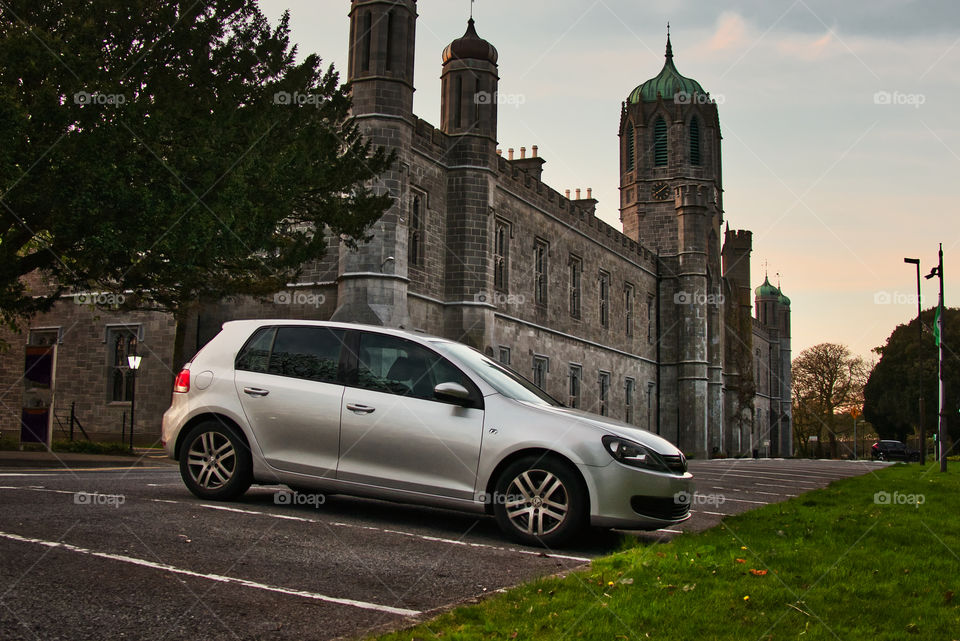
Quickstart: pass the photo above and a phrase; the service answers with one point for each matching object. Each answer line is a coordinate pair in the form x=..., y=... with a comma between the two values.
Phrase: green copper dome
x=667, y=83
x=784, y=300
x=767, y=290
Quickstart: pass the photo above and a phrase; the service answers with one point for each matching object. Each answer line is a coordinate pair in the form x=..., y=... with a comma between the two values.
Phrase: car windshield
x=505, y=381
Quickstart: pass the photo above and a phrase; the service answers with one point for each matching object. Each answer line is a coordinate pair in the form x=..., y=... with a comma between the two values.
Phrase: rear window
x=312, y=353
x=255, y=355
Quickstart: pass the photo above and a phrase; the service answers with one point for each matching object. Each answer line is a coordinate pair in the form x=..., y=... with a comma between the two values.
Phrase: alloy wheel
x=537, y=502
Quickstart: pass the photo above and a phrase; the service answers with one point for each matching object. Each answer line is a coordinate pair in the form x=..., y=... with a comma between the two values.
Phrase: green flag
x=936, y=325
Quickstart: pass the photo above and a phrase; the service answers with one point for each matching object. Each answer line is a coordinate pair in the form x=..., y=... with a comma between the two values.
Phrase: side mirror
x=452, y=393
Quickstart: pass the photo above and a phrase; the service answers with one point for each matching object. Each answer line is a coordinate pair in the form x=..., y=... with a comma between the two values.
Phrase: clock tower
x=671, y=202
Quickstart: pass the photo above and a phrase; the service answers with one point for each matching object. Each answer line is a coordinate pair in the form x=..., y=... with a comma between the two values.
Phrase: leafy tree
x=906, y=365
x=169, y=147
x=827, y=379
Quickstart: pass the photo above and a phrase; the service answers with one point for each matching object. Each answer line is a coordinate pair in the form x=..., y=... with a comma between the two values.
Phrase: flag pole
x=941, y=428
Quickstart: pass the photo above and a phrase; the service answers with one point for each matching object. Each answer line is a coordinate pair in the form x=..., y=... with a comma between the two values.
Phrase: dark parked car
x=893, y=451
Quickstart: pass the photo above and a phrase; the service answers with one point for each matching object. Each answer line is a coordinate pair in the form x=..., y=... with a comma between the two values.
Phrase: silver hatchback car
x=369, y=411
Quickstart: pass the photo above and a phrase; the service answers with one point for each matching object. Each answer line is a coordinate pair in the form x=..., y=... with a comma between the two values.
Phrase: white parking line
x=288, y=517
x=213, y=577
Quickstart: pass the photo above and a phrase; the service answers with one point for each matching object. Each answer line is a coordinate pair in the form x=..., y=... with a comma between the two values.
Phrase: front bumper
x=631, y=498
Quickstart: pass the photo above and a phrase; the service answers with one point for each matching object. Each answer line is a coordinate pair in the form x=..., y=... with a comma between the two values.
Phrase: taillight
x=182, y=384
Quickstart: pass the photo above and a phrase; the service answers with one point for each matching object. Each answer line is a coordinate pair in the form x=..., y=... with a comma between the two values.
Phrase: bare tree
x=827, y=379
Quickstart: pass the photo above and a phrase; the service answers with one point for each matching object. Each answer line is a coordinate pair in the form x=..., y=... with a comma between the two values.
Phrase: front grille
x=677, y=464
x=668, y=509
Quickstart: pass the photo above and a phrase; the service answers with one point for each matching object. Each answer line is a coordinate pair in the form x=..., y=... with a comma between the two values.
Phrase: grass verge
x=873, y=557
x=76, y=447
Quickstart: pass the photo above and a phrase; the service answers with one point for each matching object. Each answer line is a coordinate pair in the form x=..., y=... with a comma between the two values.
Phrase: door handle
x=360, y=409
x=255, y=391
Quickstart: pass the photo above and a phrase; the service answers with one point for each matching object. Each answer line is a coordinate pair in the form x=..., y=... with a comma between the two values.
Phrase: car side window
x=255, y=355
x=312, y=353
x=397, y=366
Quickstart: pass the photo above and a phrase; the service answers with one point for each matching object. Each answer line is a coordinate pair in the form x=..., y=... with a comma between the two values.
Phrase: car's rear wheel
x=215, y=462
x=540, y=501
x=881, y=456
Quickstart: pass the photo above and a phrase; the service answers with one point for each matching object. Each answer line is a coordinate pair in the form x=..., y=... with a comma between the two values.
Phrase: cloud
x=802, y=48
x=730, y=34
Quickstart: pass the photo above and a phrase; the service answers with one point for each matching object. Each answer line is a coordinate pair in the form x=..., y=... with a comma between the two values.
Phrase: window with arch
x=694, y=141
x=631, y=148
x=366, y=42
x=415, y=231
x=659, y=142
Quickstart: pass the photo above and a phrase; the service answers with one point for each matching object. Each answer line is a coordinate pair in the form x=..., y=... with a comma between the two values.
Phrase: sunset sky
x=841, y=143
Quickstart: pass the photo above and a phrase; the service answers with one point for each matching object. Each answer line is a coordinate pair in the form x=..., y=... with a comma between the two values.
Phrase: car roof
x=262, y=322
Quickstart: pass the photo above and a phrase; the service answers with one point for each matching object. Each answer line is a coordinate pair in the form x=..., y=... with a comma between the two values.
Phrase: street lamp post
x=133, y=361
x=941, y=444
x=923, y=424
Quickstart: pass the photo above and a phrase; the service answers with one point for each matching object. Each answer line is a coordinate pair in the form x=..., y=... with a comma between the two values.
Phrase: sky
x=841, y=150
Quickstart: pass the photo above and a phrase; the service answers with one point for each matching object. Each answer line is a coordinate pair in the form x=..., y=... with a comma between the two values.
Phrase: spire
x=669, y=54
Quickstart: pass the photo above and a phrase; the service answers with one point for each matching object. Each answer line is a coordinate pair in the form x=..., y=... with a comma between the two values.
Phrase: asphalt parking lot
x=130, y=553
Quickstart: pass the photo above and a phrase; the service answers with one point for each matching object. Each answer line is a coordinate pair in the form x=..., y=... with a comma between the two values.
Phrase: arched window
x=631, y=146
x=694, y=141
x=659, y=142
x=390, y=40
x=366, y=42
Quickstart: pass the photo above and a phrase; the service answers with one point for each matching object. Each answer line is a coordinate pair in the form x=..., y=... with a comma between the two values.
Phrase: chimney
x=523, y=153
x=535, y=151
x=589, y=204
x=578, y=194
x=499, y=152
x=510, y=154
x=532, y=166
x=589, y=193
x=566, y=193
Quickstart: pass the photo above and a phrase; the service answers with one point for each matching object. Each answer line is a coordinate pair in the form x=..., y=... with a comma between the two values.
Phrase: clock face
x=661, y=191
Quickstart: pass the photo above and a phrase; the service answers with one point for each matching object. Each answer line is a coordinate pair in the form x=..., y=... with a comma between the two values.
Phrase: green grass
x=830, y=564
x=76, y=447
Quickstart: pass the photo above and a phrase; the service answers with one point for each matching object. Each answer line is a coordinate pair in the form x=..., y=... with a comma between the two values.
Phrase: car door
x=395, y=434
x=289, y=383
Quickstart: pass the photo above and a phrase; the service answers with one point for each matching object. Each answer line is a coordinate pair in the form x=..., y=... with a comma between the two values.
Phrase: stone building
x=652, y=324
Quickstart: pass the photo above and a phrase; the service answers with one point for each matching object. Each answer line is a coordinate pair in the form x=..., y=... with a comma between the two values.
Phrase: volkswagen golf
x=389, y=414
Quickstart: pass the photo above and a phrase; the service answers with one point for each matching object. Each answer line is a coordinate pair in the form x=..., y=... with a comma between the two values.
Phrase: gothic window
x=390, y=39
x=651, y=320
x=604, y=299
x=576, y=376
x=541, y=365
x=631, y=148
x=629, y=387
x=628, y=308
x=458, y=102
x=576, y=272
x=501, y=254
x=650, y=387
x=415, y=231
x=541, y=252
x=694, y=141
x=121, y=342
x=660, y=142
x=366, y=41
x=603, y=392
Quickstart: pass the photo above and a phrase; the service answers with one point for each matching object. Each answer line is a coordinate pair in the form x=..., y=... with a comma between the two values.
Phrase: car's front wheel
x=215, y=462
x=540, y=500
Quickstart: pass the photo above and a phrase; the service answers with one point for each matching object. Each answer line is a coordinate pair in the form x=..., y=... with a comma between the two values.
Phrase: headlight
x=633, y=454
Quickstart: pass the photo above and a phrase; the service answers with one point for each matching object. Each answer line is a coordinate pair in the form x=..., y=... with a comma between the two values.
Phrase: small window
x=540, y=367
x=255, y=355
x=650, y=387
x=121, y=342
x=629, y=387
x=504, y=355
x=366, y=41
x=603, y=392
x=651, y=320
x=541, y=252
x=576, y=274
x=576, y=379
x=631, y=147
x=312, y=353
x=415, y=231
x=694, y=141
x=660, y=142
x=628, y=308
x=501, y=251
x=604, y=302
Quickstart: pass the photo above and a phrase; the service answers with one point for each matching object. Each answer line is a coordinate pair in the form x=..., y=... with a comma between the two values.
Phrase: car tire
x=215, y=462
x=881, y=457
x=541, y=501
